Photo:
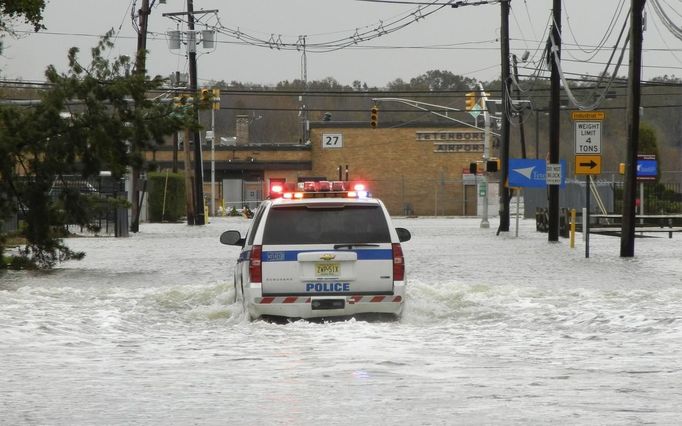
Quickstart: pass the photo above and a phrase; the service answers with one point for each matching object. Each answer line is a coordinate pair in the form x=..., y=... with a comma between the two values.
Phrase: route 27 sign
x=332, y=140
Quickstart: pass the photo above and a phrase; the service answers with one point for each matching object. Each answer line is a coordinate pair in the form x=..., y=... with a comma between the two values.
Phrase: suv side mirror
x=403, y=234
x=232, y=238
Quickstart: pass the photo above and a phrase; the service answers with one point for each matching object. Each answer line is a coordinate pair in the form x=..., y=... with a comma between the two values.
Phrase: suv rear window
x=328, y=225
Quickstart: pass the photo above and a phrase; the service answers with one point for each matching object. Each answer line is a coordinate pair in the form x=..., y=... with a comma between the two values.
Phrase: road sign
x=553, y=176
x=482, y=189
x=587, y=164
x=475, y=110
x=588, y=115
x=524, y=173
x=647, y=167
x=332, y=140
x=587, y=137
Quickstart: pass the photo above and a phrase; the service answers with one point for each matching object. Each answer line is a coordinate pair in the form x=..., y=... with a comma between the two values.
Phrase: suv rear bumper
x=324, y=306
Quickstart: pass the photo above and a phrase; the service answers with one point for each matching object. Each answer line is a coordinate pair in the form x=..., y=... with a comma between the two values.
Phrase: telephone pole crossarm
x=196, y=12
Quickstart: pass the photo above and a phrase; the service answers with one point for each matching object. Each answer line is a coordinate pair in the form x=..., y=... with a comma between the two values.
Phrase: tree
x=437, y=80
x=647, y=140
x=91, y=118
x=30, y=10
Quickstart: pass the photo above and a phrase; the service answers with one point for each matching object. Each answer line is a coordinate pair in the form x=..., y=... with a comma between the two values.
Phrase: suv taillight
x=255, y=264
x=398, y=263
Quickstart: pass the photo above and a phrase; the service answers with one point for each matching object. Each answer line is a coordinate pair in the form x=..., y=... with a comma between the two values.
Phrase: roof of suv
x=324, y=200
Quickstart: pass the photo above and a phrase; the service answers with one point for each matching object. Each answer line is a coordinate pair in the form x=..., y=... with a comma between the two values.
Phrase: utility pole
x=504, y=149
x=518, y=97
x=198, y=169
x=189, y=191
x=486, y=154
x=198, y=217
x=140, y=64
x=554, y=118
x=627, y=235
x=175, y=134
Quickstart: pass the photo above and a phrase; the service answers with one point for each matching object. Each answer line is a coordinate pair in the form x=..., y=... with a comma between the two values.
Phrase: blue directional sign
x=647, y=167
x=524, y=173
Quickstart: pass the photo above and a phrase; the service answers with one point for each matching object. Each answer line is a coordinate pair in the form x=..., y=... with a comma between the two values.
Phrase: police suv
x=320, y=249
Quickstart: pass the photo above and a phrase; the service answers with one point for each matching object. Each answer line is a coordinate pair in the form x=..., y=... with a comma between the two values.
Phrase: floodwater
x=497, y=330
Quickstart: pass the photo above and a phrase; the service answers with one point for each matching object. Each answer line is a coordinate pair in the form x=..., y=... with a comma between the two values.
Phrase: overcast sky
x=462, y=40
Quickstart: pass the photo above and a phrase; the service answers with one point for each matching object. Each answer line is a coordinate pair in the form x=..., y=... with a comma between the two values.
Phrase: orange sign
x=587, y=164
x=588, y=115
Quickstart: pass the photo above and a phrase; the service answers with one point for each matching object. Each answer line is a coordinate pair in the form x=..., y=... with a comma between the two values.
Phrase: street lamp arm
x=424, y=107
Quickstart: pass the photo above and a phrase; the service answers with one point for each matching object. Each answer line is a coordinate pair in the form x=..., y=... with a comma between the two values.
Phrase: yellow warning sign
x=588, y=115
x=587, y=164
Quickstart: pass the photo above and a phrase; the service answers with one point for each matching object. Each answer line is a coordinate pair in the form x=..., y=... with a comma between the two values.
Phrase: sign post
x=586, y=216
x=587, y=132
x=647, y=170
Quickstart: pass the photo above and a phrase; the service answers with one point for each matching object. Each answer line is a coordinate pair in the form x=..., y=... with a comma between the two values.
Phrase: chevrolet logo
x=328, y=256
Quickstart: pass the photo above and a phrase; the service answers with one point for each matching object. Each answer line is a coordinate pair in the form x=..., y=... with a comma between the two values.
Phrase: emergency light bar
x=319, y=189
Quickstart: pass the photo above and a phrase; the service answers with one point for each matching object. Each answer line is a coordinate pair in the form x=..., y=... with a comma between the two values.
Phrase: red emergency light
x=319, y=189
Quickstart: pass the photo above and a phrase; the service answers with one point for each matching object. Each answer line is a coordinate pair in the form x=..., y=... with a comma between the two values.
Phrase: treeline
x=277, y=112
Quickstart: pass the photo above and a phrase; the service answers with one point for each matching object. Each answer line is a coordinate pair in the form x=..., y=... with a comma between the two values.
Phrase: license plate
x=327, y=269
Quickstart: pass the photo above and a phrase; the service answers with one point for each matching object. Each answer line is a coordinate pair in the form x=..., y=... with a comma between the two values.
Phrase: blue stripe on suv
x=292, y=255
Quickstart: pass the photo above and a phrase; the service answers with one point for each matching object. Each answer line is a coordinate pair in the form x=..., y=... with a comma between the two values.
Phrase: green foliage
x=91, y=118
x=166, y=197
x=647, y=140
x=436, y=80
x=30, y=10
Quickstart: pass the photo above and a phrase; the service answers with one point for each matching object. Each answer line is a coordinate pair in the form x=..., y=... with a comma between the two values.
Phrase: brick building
x=414, y=169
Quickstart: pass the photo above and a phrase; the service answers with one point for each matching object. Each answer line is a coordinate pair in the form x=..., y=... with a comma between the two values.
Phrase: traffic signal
x=374, y=117
x=492, y=165
x=216, y=99
x=205, y=99
x=182, y=102
x=470, y=101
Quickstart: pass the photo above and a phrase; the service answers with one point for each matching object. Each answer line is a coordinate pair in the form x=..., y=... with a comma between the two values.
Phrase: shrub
x=166, y=197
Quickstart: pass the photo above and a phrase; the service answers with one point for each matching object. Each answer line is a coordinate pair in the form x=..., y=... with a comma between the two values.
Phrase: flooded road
x=497, y=330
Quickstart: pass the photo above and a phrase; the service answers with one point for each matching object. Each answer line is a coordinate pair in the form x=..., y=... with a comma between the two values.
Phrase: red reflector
x=338, y=185
x=255, y=264
x=398, y=263
x=324, y=185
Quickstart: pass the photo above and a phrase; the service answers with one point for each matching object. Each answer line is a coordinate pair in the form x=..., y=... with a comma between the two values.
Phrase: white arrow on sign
x=526, y=172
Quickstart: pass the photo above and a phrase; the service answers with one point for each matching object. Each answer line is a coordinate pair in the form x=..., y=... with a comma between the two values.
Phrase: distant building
x=415, y=170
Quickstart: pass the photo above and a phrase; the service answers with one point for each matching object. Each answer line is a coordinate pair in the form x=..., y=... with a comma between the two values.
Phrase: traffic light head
x=470, y=101
x=374, y=117
x=492, y=165
x=216, y=99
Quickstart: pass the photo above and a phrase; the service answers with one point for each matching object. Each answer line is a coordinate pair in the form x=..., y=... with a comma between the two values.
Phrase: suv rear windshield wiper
x=351, y=245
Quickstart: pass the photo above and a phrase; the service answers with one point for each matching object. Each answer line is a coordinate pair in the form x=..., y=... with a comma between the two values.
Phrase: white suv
x=320, y=250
